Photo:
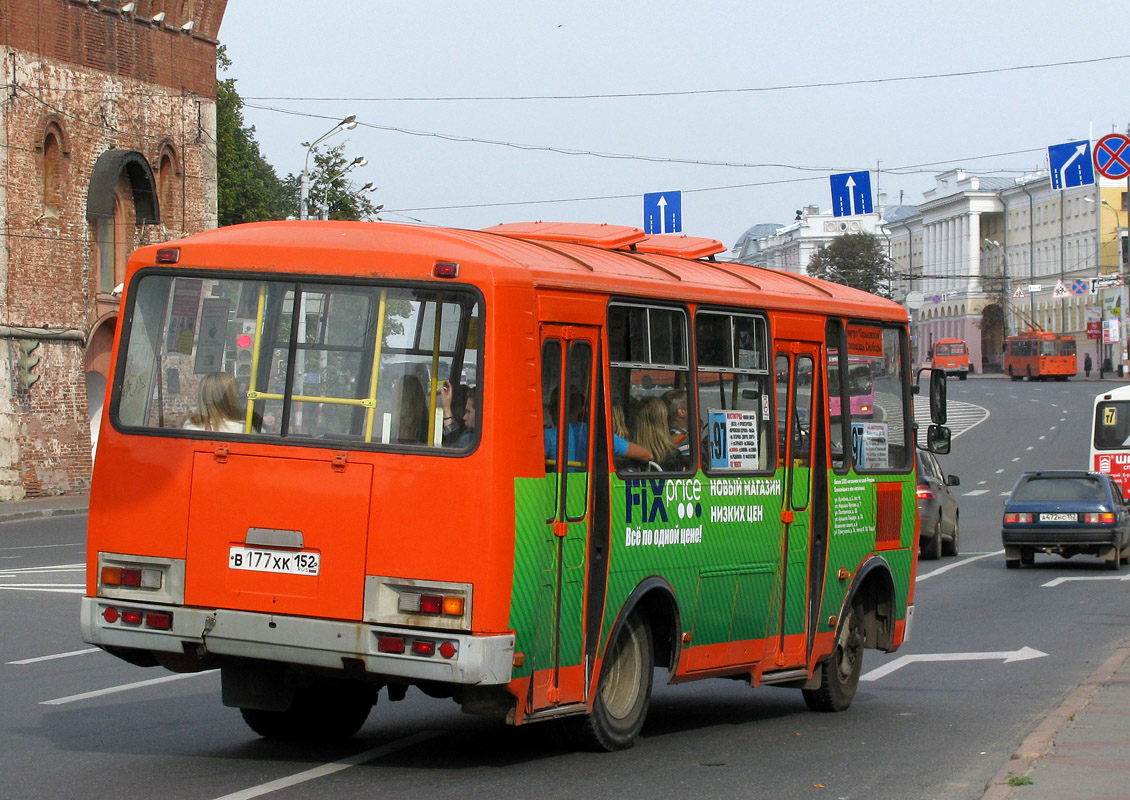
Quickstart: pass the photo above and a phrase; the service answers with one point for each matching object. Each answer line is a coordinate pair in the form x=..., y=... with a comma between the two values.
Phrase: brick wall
x=103, y=82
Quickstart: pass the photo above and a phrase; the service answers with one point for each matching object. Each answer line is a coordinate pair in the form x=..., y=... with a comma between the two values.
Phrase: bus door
x=796, y=368
x=568, y=391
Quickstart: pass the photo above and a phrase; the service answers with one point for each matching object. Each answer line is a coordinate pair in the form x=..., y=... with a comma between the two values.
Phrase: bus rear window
x=354, y=363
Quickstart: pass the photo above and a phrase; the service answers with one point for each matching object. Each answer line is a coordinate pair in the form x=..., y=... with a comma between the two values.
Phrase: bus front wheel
x=623, y=695
x=839, y=675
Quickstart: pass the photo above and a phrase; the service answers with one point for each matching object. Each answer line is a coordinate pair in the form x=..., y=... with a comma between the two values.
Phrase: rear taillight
x=924, y=493
x=436, y=604
x=1011, y=518
x=134, y=577
x=1103, y=518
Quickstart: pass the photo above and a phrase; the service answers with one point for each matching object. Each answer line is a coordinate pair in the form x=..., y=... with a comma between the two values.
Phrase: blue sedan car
x=1066, y=513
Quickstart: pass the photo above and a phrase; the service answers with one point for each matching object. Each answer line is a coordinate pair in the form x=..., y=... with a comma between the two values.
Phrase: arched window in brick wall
x=170, y=186
x=121, y=194
x=54, y=169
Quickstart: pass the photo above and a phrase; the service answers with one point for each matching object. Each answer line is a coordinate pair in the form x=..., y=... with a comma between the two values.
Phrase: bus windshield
x=360, y=363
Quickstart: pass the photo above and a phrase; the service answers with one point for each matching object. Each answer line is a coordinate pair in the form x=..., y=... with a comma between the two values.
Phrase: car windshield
x=1060, y=489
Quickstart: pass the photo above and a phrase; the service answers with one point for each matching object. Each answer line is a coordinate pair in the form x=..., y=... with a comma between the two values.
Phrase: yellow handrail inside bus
x=435, y=370
x=371, y=403
x=251, y=393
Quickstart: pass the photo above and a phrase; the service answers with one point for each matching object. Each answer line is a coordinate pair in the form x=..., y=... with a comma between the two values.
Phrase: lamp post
x=349, y=123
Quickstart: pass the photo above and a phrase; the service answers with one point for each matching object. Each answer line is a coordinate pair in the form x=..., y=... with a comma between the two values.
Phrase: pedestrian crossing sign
x=1019, y=293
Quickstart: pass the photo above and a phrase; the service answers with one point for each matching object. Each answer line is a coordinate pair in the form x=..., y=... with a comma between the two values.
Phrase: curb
x=39, y=513
x=1041, y=740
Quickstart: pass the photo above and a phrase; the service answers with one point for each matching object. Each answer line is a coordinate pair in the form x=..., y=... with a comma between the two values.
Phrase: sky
x=746, y=108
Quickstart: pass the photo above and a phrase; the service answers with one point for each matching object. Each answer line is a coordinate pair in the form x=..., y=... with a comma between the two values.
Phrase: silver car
x=938, y=523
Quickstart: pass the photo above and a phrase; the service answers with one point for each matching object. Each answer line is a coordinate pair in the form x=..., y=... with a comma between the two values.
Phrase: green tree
x=248, y=189
x=858, y=260
x=331, y=189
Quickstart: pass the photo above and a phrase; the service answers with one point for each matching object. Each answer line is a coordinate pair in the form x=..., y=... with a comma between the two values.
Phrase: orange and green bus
x=349, y=529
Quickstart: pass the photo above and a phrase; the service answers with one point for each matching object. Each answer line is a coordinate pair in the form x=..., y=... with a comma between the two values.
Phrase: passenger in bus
x=458, y=398
x=410, y=423
x=619, y=424
x=217, y=405
x=677, y=420
x=578, y=444
x=654, y=433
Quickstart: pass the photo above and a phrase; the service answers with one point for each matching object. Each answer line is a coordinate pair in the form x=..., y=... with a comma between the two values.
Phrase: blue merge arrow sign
x=1070, y=164
x=851, y=193
x=663, y=212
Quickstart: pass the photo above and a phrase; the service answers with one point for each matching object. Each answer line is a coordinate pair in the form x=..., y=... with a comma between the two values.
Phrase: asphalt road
x=935, y=720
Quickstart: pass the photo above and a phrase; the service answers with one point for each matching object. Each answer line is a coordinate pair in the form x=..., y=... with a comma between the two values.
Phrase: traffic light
x=27, y=362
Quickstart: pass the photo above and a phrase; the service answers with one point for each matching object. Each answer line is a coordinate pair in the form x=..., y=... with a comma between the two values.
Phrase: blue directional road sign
x=1070, y=164
x=851, y=193
x=663, y=212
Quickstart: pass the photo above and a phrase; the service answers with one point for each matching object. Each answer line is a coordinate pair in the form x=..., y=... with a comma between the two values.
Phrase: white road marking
x=38, y=546
x=330, y=769
x=1023, y=654
x=963, y=562
x=999, y=471
x=37, y=659
x=55, y=588
x=975, y=492
x=1061, y=581
x=74, y=698
x=23, y=573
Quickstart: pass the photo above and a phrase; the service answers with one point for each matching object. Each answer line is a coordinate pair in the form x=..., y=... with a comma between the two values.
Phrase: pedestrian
x=1087, y=364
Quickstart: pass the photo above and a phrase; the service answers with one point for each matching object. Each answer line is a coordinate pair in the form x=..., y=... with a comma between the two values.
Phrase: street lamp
x=349, y=123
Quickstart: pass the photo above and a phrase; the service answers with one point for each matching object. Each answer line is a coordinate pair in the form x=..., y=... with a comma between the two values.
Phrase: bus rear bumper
x=403, y=653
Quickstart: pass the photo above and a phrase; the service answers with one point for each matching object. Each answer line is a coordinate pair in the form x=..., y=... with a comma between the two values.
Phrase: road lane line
x=975, y=492
x=331, y=768
x=74, y=698
x=37, y=659
x=961, y=563
x=56, y=588
x=38, y=546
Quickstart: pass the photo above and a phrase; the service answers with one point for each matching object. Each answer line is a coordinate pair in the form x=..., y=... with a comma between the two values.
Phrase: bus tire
x=962, y=376
x=839, y=675
x=623, y=695
x=323, y=713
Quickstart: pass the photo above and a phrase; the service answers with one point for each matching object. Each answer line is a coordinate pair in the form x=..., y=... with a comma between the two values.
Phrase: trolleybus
x=1039, y=355
x=329, y=541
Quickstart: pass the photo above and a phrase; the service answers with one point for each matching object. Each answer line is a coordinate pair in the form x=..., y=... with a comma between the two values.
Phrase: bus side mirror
x=938, y=439
x=938, y=396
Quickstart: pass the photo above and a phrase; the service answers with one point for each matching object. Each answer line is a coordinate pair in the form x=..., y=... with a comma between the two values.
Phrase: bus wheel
x=623, y=695
x=839, y=675
x=326, y=712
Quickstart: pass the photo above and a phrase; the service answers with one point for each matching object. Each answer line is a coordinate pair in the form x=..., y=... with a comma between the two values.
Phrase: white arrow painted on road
x=1023, y=654
x=662, y=214
x=1060, y=581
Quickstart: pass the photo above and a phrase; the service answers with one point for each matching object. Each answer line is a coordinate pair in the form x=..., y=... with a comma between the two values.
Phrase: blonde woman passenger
x=654, y=433
x=217, y=406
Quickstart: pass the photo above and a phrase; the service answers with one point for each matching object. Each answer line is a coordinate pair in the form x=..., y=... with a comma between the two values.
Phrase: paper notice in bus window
x=733, y=439
x=869, y=445
x=182, y=317
x=864, y=341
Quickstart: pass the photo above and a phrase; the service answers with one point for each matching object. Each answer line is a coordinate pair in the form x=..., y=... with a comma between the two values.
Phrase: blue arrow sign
x=1070, y=164
x=851, y=193
x=663, y=212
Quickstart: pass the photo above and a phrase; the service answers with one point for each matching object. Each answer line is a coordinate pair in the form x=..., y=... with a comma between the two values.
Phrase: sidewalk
x=1082, y=749
x=40, y=507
